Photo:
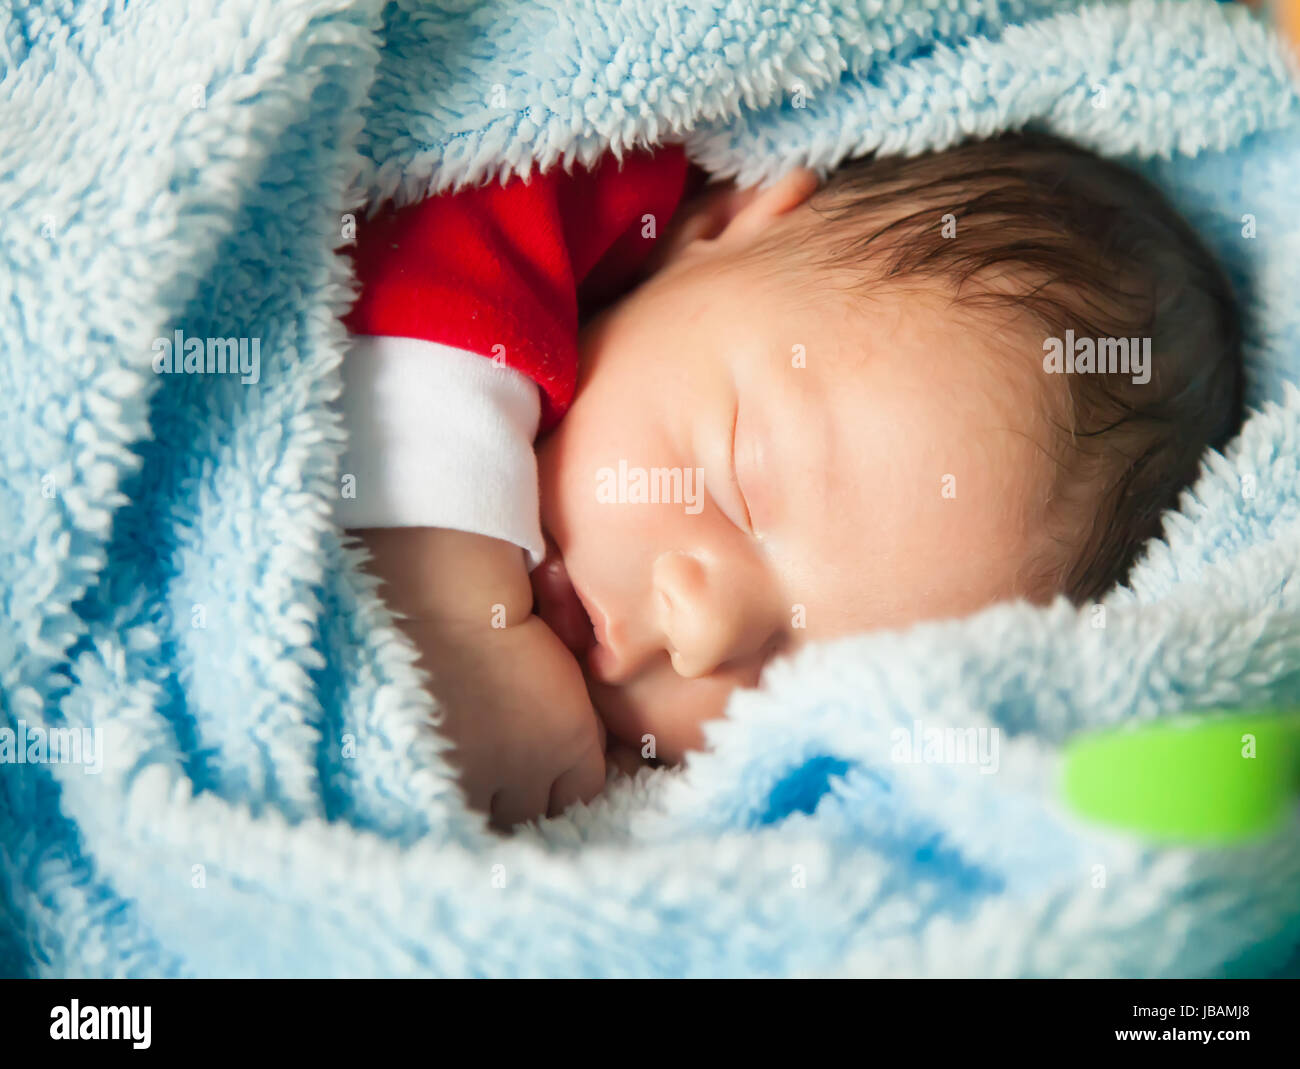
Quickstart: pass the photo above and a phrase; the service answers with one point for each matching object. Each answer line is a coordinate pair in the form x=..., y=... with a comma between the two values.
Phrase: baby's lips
x=558, y=604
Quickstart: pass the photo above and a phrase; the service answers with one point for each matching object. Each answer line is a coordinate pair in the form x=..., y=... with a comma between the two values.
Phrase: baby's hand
x=624, y=758
x=528, y=742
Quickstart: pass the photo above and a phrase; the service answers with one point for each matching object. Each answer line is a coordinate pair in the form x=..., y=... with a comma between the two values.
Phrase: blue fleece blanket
x=257, y=790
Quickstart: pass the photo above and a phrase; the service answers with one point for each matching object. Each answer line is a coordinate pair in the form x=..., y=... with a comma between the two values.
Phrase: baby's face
x=754, y=462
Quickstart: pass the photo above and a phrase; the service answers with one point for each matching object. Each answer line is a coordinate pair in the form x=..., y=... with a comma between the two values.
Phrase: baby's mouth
x=557, y=603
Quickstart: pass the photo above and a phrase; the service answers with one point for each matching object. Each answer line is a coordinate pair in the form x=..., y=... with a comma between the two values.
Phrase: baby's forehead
x=923, y=335
x=916, y=382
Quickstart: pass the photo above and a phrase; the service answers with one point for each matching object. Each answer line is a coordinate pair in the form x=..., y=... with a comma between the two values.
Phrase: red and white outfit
x=466, y=335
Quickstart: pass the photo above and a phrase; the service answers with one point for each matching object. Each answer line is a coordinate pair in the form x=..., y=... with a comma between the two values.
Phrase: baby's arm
x=441, y=446
x=528, y=742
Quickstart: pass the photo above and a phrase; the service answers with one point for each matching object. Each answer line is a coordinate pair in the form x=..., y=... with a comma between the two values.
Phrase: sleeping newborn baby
x=618, y=441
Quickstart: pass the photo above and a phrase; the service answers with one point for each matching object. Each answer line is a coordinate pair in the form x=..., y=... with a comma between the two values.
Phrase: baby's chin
x=660, y=709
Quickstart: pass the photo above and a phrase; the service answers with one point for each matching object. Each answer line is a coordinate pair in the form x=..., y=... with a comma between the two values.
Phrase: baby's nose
x=702, y=624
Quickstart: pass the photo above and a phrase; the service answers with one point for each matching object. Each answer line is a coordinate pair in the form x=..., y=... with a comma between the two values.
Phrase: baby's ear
x=754, y=209
x=733, y=214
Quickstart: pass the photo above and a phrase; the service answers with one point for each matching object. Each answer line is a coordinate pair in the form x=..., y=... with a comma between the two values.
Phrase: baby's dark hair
x=1032, y=224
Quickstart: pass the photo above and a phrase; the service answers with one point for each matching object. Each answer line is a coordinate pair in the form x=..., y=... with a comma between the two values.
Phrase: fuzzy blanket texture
x=269, y=798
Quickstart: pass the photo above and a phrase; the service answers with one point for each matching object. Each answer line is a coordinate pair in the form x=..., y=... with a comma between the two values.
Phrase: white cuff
x=439, y=437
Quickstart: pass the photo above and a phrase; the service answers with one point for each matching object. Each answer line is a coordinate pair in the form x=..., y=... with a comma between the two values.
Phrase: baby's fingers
x=582, y=782
x=514, y=804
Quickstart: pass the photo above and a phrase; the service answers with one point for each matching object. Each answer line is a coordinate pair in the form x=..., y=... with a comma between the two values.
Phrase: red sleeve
x=500, y=266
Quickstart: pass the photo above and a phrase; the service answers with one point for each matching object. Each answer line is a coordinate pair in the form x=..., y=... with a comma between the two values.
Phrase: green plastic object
x=1213, y=778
